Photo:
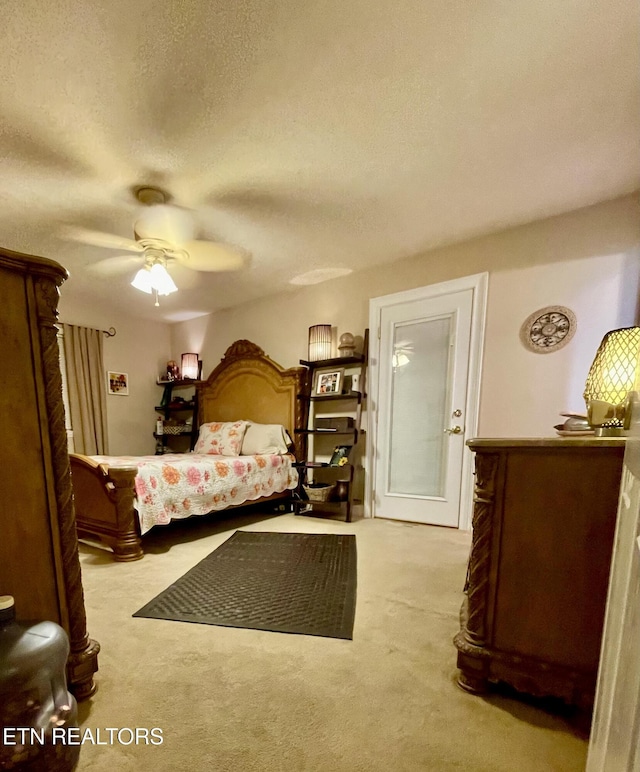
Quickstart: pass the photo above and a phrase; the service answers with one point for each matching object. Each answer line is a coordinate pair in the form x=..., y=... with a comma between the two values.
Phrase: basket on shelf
x=182, y=429
x=318, y=491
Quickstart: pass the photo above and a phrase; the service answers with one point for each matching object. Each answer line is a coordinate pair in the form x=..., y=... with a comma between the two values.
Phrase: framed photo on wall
x=117, y=383
x=328, y=382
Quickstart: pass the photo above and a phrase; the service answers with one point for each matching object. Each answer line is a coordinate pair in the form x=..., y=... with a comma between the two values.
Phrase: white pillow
x=261, y=439
x=221, y=438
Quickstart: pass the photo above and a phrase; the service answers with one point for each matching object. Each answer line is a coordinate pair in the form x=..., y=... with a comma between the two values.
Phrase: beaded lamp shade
x=615, y=368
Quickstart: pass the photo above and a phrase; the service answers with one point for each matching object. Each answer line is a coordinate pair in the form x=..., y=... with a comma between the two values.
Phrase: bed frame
x=247, y=384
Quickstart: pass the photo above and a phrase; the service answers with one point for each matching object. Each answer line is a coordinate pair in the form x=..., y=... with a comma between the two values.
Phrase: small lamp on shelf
x=319, y=342
x=190, y=368
x=611, y=377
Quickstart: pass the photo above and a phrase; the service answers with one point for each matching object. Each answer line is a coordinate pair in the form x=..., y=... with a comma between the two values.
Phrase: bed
x=246, y=386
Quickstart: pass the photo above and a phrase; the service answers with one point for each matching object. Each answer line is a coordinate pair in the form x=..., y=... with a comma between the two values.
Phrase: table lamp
x=611, y=378
x=319, y=342
x=189, y=363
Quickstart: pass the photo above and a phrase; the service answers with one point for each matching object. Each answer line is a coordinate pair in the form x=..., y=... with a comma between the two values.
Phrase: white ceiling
x=326, y=134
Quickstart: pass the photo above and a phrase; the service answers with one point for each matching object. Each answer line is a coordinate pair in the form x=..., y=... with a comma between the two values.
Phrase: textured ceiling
x=312, y=135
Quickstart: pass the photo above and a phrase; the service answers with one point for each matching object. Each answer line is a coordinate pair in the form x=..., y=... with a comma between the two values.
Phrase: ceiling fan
x=164, y=237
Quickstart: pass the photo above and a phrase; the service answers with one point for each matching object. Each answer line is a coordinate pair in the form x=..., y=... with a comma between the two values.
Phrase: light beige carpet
x=229, y=699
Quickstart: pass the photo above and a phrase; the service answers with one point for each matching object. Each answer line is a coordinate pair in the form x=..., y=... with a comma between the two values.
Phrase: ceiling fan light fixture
x=142, y=280
x=161, y=280
x=154, y=277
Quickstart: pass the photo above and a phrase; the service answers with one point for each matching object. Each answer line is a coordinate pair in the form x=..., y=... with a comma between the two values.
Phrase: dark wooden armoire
x=39, y=563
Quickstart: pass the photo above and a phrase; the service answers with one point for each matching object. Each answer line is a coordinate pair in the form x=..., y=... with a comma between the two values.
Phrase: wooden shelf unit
x=172, y=411
x=313, y=470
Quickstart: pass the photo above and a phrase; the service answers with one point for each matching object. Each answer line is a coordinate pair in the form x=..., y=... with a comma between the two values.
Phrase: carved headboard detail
x=247, y=384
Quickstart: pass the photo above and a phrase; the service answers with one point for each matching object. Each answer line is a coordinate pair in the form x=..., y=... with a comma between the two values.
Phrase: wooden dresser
x=39, y=562
x=543, y=526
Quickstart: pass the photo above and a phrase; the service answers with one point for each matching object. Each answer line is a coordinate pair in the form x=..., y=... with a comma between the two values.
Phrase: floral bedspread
x=179, y=485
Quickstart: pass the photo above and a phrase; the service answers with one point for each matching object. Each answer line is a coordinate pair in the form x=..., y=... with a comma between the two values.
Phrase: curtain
x=86, y=388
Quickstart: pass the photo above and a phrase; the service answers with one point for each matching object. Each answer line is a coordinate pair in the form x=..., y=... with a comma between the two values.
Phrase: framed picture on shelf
x=328, y=382
x=118, y=383
x=340, y=455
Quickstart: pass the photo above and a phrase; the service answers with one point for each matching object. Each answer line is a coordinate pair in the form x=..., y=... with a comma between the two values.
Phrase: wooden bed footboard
x=105, y=512
x=103, y=499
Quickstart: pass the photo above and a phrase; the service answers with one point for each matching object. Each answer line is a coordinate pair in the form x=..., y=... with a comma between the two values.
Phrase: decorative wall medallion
x=548, y=329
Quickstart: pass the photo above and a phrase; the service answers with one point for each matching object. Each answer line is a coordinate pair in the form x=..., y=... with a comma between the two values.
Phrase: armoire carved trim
x=83, y=655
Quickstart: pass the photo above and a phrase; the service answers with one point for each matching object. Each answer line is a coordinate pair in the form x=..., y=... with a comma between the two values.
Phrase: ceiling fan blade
x=183, y=276
x=166, y=222
x=100, y=239
x=116, y=266
x=210, y=256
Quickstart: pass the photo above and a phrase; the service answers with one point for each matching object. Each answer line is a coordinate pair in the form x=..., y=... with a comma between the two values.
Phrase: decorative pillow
x=221, y=439
x=260, y=439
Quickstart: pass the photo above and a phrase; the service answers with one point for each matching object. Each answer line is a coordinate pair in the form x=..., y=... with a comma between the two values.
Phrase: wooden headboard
x=248, y=385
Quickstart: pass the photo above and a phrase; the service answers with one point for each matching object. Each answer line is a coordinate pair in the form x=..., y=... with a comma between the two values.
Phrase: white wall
x=523, y=393
x=141, y=349
x=587, y=260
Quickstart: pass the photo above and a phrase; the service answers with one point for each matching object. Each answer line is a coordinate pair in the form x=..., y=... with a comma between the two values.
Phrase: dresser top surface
x=546, y=442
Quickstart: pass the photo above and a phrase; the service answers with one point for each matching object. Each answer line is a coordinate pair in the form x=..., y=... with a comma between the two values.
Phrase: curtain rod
x=110, y=333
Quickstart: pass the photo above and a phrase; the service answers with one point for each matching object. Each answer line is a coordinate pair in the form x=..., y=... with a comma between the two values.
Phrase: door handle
x=454, y=430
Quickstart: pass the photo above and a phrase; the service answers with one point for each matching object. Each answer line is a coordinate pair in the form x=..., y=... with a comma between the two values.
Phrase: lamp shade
x=154, y=276
x=161, y=281
x=189, y=366
x=319, y=342
x=142, y=280
x=615, y=367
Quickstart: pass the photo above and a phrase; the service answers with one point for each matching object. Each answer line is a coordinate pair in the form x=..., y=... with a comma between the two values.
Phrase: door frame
x=479, y=284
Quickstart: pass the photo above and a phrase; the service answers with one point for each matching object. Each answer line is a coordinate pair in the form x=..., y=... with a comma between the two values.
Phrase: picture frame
x=117, y=383
x=328, y=382
x=340, y=455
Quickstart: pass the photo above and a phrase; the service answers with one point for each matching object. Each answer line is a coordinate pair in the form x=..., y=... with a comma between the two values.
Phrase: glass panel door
x=419, y=404
x=423, y=367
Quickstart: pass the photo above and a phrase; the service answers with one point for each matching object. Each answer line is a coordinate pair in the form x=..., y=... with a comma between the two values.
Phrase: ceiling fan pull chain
x=157, y=303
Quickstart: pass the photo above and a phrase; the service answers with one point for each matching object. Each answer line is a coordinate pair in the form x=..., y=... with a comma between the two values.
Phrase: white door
x=422, y=403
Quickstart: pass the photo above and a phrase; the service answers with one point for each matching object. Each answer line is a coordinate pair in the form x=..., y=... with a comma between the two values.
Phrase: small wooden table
x=543, y=526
